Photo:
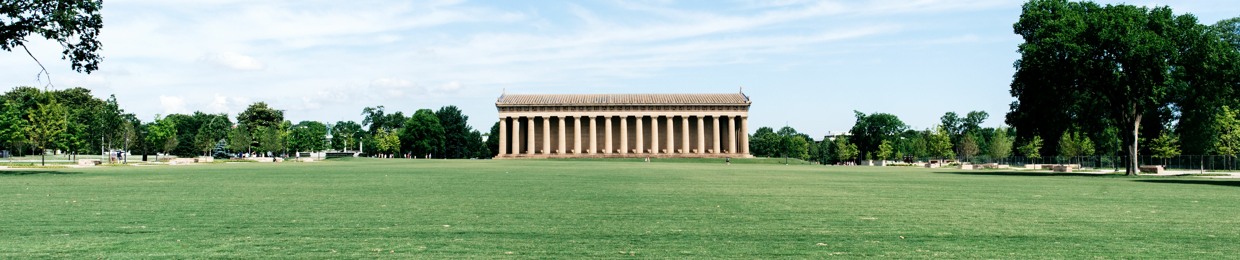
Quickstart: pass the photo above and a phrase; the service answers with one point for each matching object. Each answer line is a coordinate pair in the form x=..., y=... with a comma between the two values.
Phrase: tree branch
x=42, y=72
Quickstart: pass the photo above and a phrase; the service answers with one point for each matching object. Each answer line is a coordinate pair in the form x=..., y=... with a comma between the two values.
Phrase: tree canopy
x=1091, y=67
x=74, y=24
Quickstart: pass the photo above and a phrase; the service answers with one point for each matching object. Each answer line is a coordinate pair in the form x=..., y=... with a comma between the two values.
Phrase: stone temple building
x=623, y=125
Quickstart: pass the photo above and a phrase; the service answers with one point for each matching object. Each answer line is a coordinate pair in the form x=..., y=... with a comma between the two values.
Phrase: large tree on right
x=1086, y=66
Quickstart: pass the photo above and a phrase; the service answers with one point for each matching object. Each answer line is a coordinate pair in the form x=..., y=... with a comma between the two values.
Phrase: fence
x=1183, y=162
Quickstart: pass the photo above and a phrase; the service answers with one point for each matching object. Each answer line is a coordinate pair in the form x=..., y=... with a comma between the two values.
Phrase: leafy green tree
x=870, y=130
x=376, y=119
x=845, y=150
x=1085, y=66
x=422, y=134
x=346, y=135
x=938, y=143
x=765, y=143
x=1164, y=147
x=74, y=24
x=160, y=133
x=386, y=142
x=1228, y=127
x=456, y=131
x=885, y=150
x=1000, y=145
x=798, y=147
x=478, y=147
x=1073, y=144
x=493, y=141
x=240, y=140
x=308, y=136
x=271, y=139
x=45, y=125
x=968, y=147
x=1032, y=148
x=258, y=115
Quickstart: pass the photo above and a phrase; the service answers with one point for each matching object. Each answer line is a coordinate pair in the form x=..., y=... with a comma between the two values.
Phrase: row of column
x=736, y=136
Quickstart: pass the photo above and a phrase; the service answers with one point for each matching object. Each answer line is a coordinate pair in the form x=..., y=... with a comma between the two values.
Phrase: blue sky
x=807, y=64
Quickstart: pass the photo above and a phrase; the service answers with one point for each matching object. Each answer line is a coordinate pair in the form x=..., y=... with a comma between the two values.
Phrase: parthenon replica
x=623, y=125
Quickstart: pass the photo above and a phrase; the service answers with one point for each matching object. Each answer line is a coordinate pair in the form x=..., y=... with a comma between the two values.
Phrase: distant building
x=831, y=135
x=623, y=125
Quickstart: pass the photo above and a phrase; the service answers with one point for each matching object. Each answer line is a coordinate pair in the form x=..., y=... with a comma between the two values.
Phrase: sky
x=804, y=64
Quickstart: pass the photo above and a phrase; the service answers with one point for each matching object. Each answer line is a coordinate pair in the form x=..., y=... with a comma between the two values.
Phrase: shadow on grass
x=1029, y=173
x=1232, y=183
x=33, y=172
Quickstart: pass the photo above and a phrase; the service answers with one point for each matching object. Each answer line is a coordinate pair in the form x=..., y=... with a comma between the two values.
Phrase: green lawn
x=366, y=208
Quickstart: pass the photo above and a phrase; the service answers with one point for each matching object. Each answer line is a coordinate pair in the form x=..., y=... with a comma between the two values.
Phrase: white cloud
x=233, y=61
x=172, y=105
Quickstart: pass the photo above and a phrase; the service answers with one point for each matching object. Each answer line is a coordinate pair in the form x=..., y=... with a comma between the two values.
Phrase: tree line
x=883, y=136
x=73, y=121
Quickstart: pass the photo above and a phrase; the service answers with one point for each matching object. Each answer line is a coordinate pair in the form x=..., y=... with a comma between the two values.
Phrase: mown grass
x=367, y=208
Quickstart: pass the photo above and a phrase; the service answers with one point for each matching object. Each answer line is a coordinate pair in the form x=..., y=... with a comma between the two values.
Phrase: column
x=562, y=148
x=684, y=134
x=593, y=134
x=671, y=136
x=529, y=146
x=731, y=134
x=654, y=134
x=577, y=134
x=701, y=135
x=607, y=135
x=546, y=135
x=744, y=135
x=641, y=146
x=503, y=136
x=715, y=135
x=624, y=134
x=516, y=135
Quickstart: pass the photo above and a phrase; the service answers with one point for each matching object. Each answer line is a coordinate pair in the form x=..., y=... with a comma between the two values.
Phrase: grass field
x=367, y=208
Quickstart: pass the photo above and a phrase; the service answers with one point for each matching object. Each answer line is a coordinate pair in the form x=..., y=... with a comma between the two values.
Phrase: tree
x=1073, y=144
x=870, y=130
x=211, y=129
x=260, y=115
x=270, y=139
x=1165, y=146
x=1100, y=66
x=240, y=140
x=968, y=147
x=798, y=147
x=764, y=143
x=845, y=150
x=478, y=147
x=160, y=133
x=493, y=141
x=1228, y=127
x=456, y=132
x=346, y=135
x=74, y=24
x=13, y=125
x=386, y=142
x=422, y=134
x=1032, y=148
x=46, y=124
x=309, y=136
x=939, y=144
x=1000, y=145
x=885, y=150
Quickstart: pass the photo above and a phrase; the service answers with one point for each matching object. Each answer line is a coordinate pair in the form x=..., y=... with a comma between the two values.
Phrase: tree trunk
x=1133, y=146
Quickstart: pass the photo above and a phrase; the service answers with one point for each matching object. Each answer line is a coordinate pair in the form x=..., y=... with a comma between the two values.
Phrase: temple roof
x=621, y=99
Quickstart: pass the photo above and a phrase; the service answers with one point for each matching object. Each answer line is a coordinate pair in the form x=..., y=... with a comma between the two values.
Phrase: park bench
x=1063, y=168
x=1155, y=169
